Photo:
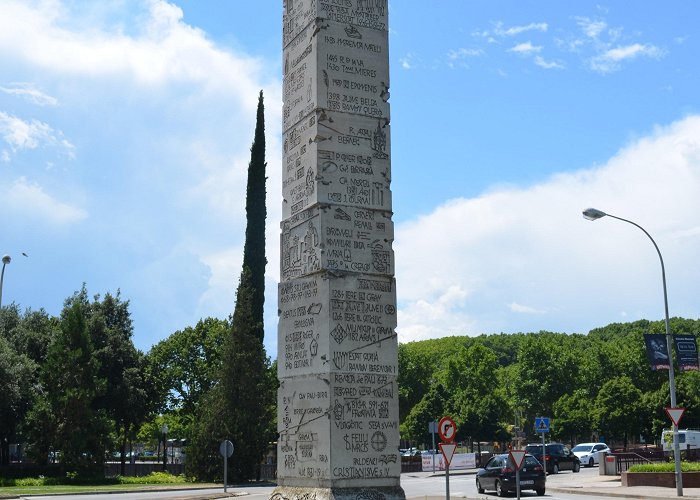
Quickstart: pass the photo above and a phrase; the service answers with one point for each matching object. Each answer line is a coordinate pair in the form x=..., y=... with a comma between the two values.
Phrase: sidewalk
x=606, y=486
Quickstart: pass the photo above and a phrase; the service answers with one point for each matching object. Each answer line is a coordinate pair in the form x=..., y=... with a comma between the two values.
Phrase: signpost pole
x=225, y=471
x=544, y=459
x=447, y=480
x=517, y=482
x=432, y=427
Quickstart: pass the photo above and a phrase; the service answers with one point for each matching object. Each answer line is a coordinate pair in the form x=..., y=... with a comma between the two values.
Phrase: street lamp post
x=594, y=214
x=6, y=259
x=164, y=430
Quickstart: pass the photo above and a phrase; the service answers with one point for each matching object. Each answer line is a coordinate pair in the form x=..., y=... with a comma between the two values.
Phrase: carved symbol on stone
x=390, y=309
x=380, y=260
x=339, y=334
x=314, y=308
x=379, y=441
x=313, y=347
x=379, y=142
x=353, y=32
x=340, y=359
x=338, y=411
x=340, y=214
x=385, y=459
x=370, y=495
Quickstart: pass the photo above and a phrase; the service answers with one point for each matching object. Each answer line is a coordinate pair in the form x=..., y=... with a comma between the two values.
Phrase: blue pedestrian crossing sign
x=541, y=424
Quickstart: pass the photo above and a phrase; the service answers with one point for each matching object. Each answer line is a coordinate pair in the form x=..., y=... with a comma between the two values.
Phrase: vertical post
x=225, y=470
x=433, y=426
x=447, y=480
x=517, y=482
x=544, y=459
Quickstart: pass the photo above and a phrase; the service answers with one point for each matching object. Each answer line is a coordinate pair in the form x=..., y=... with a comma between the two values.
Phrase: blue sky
x=125, y=129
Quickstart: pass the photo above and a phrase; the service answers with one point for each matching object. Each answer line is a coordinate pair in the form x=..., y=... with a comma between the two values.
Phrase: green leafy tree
x=476, y=402
x=617, y=409
x=16, y=373
x=70, y=377
x=573, y=415
x=430, y=408
x=187, y=364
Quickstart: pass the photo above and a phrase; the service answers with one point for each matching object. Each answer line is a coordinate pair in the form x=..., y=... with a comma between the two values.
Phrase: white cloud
x=30, y=93
x=164, y=49
x=610, y=59
x=525, y=48
x=526, y=260
x=22, y=135
x=519, y=308
x=542, y=63
x=463, y=53
x=590, y=27
x=27, y=201
x=516, y=30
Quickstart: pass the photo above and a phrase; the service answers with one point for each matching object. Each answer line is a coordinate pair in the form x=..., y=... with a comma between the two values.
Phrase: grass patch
x=72, y=484
x=666, y=467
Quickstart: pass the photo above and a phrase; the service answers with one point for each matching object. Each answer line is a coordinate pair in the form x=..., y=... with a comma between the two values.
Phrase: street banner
x=656, y=351
x=459, y=461
x=686, y=352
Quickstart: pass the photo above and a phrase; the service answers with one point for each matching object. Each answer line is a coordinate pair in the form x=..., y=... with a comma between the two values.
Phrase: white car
x=587, y=453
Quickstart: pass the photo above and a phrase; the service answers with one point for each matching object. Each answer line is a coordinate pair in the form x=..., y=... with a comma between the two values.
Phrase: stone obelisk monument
x=338, y=416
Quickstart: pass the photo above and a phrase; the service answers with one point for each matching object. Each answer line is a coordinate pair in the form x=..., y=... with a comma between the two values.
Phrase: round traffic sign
x=226, y=448
x=447, y=429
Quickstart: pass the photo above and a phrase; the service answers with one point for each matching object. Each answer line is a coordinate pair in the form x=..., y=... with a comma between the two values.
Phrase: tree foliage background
x=592, y=386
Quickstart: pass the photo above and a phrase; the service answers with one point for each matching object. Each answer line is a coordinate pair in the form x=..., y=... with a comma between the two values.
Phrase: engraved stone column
x=338, y=416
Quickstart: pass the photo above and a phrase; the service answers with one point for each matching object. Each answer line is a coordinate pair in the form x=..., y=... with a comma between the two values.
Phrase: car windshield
x=583, y=447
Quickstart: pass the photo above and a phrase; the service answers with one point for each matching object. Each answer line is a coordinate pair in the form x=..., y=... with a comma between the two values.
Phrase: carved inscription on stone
x=360, y=413
x=358, y=311
x=336, y=158
x=363, y=13
x=336, y=238
x=352, y=72
x=349, y=78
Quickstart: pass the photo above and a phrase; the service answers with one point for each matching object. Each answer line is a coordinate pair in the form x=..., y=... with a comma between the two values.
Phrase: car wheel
x=540, y=492
x=591, y=463
x=478, y=487
x=577, y=466
x=555, y=469
x=499, y=489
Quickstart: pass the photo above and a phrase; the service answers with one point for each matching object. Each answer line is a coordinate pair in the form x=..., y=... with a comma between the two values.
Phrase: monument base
x=364, y=493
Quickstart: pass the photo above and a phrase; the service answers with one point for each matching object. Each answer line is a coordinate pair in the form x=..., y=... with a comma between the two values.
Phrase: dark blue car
x=499, y=475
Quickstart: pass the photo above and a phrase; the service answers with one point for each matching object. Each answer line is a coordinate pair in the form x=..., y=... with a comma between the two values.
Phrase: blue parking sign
x=541, y=424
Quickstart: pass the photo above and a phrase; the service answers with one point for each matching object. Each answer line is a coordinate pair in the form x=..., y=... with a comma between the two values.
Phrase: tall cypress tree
x=241, y=406
x=256, y=212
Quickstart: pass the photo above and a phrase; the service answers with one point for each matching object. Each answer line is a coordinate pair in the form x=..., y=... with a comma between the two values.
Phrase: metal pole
x=671, y=374
x=433, y=434
x=517, y=482
x=225, y=469
x=5, y=260
x=544, y=459
x=447, y=480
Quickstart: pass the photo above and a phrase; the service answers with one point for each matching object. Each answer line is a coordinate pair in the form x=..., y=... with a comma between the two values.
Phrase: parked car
x=587, y=453
x=557, y=455
x=499, y=474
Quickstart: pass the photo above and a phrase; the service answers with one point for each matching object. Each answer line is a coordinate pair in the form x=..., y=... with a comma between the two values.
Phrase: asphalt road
x=416, y=485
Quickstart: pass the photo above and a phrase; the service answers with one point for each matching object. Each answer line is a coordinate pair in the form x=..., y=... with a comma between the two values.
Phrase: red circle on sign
x=447, y=429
